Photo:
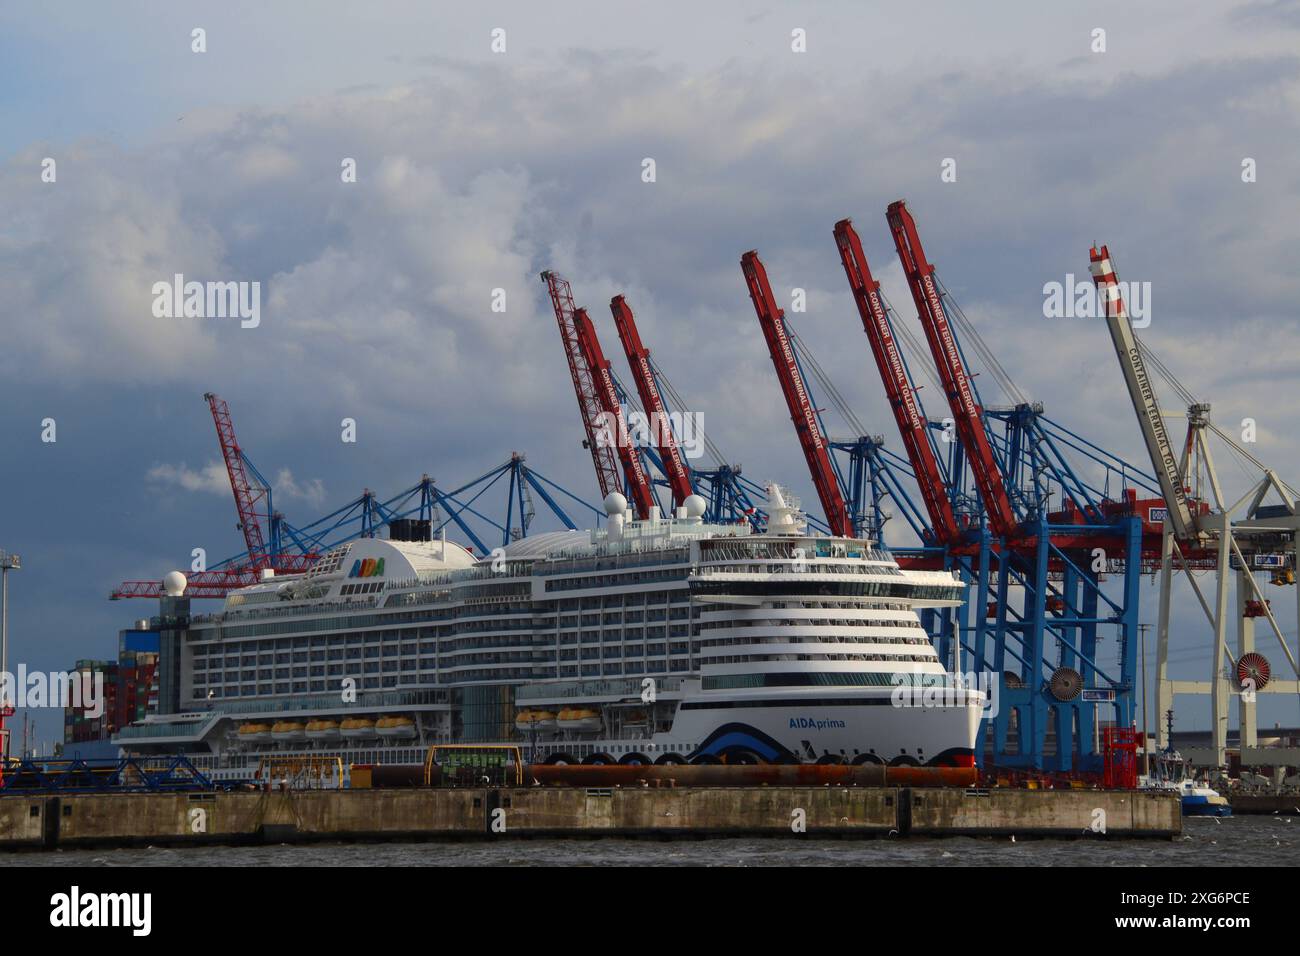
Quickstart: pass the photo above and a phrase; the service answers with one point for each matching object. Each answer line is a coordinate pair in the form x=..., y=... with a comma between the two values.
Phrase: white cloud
x=310, y=492
x=213, y=479
x=210, y=479
x=475, y=176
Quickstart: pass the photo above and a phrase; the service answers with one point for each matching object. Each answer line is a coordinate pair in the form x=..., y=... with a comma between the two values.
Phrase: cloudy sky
x=477, y=169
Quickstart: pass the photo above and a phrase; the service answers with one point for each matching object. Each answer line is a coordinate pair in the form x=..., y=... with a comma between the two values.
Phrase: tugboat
x=1173, y=773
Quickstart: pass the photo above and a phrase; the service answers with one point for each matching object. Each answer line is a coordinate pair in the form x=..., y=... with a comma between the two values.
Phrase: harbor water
x=1234, y=841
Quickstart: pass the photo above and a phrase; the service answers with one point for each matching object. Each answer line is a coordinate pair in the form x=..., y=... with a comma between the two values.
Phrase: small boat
x=1201, y=801
x=322, y=730
x=581, y=720
x=1173, y=773
x=287, y=731
x=395, y=728
x=535, y=721
x=1198, y=800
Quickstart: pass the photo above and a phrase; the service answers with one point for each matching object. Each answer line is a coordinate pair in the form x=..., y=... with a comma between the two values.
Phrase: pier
x=43, y=821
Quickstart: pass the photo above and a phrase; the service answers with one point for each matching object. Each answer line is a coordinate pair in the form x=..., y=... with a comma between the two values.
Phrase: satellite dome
x=615, y=503
x=695, y=506
x=174, y=584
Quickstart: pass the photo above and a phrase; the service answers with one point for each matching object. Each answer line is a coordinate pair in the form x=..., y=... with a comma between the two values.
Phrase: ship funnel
x=783, y=514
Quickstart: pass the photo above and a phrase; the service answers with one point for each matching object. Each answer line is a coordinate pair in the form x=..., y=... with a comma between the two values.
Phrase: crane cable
x=1184, y=394
x=990, y=360
x=828, y=387
x=917, y=355
x=682, y=408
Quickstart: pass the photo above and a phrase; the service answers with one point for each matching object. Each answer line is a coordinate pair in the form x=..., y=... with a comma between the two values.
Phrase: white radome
x=615, y=503
x=695, y=506
x=174, y=584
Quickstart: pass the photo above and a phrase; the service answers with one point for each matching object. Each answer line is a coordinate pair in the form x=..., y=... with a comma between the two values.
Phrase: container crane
x=898, y=386
x=1038, y=598
x=1141, y=390
x=967, y=414
x=638, y=482
x=811, y=438
x=603, y=456
x=731, y=497
x=1263, y=539
x=638, y=358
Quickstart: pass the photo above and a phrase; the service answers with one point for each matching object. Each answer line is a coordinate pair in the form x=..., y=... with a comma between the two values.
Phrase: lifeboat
x=255, y=733
x=535, y=721
x=322, y=730
x=287, y=731
x=357, y=728
x=395, y=728
x=581, y=720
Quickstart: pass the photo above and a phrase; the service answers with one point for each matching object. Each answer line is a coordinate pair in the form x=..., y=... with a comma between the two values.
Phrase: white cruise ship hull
x=866, y=727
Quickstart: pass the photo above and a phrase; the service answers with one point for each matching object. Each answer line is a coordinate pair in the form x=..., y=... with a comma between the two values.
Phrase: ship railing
x=186, y=725
x=240, y=615
x=215, y=710
x=625, y=687
x=614, y=562
x=365, y=699
x=756, y=566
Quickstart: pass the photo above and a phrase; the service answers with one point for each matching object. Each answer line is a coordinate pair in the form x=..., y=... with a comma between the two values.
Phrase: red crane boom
x=893, y=372
x=246, y=493
x=218, y=582
x=966, y=412
x=638, y=481
x=638, y=358
x=603, y=456
x=815, y=447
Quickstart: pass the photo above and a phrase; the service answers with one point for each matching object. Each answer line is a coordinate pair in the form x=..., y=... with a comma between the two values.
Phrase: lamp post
x=8, y=562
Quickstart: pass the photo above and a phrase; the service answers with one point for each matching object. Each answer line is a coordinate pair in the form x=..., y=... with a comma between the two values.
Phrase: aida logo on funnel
x=367, y=568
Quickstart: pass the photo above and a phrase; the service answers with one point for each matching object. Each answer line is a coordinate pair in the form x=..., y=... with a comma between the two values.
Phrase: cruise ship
x=664, y=640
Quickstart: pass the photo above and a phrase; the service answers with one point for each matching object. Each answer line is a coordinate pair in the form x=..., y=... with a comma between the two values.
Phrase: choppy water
x=1237, y=841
